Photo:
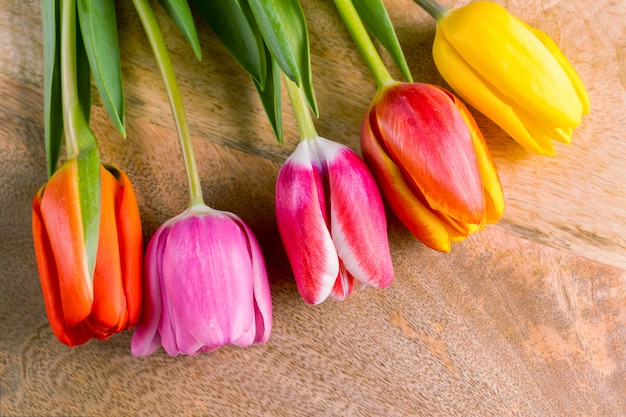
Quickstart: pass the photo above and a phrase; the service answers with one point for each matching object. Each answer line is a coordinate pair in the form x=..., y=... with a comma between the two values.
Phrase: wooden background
x=527, y=318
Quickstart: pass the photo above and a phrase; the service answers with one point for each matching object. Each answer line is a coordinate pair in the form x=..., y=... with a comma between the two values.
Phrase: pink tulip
x=332, y=221
x=205, y=284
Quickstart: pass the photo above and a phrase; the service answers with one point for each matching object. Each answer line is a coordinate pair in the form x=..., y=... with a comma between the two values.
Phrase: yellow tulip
x=512, y=73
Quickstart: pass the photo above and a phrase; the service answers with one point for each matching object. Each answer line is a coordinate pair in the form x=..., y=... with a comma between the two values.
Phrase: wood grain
x=515, y=321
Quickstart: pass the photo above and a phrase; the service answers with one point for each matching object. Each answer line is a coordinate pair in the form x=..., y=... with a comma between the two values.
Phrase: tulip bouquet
x=204, y=278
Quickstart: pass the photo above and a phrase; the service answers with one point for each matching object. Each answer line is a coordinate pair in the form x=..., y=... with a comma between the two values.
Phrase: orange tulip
x=431, y=163
x=80, y=303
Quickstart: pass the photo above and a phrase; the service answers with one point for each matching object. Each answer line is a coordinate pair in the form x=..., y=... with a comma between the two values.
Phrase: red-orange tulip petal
x=49, y=278
x=422, y=131
x=60, y=209
x=130, y=244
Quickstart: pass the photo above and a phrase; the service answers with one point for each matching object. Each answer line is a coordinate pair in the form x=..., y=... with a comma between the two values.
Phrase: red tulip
x=80, y=303
x=431, y=163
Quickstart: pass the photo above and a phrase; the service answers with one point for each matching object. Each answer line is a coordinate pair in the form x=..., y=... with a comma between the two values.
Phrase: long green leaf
x=83, y=75
x=181, y=14
x=53, y=104
x=89, y=191
x=375, y=17
x=99, y=30
x=233, y=23
x=270, y=96
x=284, y=30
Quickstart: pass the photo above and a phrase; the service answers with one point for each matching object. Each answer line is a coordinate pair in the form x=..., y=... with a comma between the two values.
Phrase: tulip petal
x=60, y=208
x=565, y=64
x=262, y=295
x=302, y=218
x=146, y=337
x=344, y=284
x=130, y=244
x=482, y=95
x=421, y=221
x=423, y=133
x=499, y=46
x=49, y=278
x=206, y=266
x=357, y=216
x=494, y=195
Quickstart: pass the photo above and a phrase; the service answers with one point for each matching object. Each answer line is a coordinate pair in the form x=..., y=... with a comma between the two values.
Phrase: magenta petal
x=302, y=218
x=206, y=270
x=262, y=295
x=146, y=337
x=206, y=285
x=358, y=221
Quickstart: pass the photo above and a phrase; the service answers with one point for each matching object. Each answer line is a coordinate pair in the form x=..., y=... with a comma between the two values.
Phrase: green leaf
x=83, y=75
x=53, y=107
x=89, y=191
x=233, y=23
x=181, y=14
x=270, y=96
x=99, y=30
x=375, y=17
x=284, y=30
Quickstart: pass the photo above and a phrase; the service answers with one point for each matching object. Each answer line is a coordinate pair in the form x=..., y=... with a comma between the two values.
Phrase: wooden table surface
x=527, y=318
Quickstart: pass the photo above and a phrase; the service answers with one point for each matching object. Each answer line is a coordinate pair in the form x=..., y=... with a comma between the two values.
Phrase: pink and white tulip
x=332, y=221
x=205, y=286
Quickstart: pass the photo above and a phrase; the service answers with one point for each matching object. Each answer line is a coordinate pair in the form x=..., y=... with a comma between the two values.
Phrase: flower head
x=332, y=221
x=205, y=285
x=80, y=303
x=514, y=74
x=431, y=163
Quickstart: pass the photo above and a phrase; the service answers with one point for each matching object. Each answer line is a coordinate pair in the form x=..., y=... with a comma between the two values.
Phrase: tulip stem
x=151, y=27
x=436, y=10
x=301, y=110
x=363, y=42
x=78, y=136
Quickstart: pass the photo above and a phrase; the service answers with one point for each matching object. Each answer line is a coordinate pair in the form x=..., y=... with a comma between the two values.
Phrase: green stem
x=151, y=27
x=363, y=42
x=436, y=10
x=75, y=124
x=301, y=110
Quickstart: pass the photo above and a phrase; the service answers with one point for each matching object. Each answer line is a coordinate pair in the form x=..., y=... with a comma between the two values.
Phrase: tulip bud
x=332, y=221
x=514, y=74
x=205, y=286
x=431, y=163
x=80, y=303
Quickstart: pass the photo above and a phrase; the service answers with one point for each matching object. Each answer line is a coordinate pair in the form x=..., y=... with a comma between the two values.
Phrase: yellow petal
x=567, y=67
x=500, y=48
x=483, y=96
